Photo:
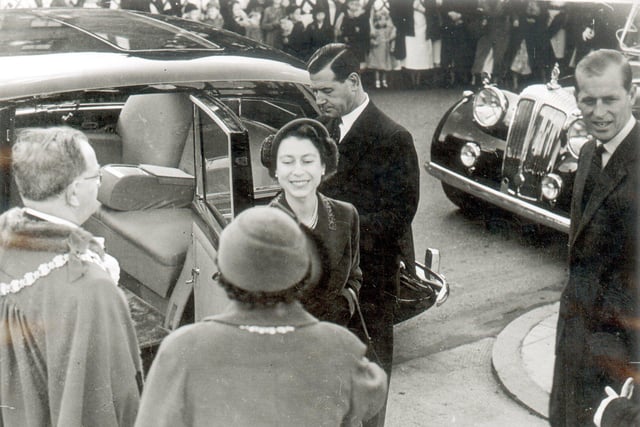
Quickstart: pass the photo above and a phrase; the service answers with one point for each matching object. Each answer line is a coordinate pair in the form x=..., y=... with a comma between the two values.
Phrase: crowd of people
x=436, y=42
x=433, y=42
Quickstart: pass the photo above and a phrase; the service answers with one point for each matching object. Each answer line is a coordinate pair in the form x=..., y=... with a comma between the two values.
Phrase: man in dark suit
x=597, y=334
x=378, y=173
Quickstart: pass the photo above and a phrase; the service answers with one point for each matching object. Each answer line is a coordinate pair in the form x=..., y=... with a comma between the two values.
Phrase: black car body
x=517, y=151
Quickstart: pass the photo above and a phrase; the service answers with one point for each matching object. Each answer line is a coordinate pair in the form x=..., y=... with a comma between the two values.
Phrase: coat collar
x=620, y=165
x=281, y=315
x=20, y=231
x=325, y=209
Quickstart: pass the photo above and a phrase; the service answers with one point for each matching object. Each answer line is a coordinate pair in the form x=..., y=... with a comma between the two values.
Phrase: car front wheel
x=467, y=203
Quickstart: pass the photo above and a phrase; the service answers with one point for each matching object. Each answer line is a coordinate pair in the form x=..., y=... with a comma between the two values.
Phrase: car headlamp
x=469, y=154
x=489, y=106
x=577, y=136
x=551, y=186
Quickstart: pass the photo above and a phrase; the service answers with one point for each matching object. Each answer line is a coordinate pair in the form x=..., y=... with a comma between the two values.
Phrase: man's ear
x=354, y=80
x=632, y=93
x=71, y=194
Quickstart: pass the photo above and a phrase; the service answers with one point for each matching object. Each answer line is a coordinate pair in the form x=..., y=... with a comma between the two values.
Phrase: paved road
x=442, y=373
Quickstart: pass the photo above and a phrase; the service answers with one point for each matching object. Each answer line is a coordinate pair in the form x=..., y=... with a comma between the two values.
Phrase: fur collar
x=20, y=231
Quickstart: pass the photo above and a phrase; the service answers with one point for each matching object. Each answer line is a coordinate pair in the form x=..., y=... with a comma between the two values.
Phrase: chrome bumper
x=502, y=200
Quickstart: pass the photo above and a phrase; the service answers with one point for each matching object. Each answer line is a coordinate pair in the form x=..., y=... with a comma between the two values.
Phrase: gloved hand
x=625, y=392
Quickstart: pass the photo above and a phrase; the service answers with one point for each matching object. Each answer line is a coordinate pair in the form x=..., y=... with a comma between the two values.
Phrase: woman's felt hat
x=265, y=250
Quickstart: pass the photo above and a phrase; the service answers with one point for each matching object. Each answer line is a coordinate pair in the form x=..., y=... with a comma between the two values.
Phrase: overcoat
x=596, y=340
x=68, y=351
x=378, y=173
x=261, y=367
x=338, y=228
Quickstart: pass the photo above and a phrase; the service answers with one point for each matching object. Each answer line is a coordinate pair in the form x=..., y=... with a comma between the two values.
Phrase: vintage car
x=176, y=112
x=517, y=151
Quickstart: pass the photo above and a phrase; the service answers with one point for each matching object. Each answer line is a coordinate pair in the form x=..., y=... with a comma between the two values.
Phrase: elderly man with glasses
x=68, y=351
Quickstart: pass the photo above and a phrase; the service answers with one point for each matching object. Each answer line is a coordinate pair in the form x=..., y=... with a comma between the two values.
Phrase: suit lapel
x=357, y=140
x=581, y=179
x=615, y=171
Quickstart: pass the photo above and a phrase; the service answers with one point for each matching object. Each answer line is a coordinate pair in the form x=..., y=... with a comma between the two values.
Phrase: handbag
x=420, y=288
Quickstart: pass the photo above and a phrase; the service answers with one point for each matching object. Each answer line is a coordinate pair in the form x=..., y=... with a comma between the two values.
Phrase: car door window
x=263, y=108
x=222, y=166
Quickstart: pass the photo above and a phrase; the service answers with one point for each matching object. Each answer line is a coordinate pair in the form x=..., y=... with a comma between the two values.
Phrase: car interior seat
x=149, y=232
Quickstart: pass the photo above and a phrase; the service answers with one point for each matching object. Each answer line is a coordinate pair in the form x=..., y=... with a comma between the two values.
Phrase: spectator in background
x=192, y=12
x=458, y=46
x=557, y=33
x=594, y=26
x=264, y=361
x=528, y=51
x=69, y=353
x=308, y=7
x=383, y=36
x=354, y=28
x=293, y=33
x=483, y=27
x=271, y=19
x=235, y=18
x=254, y=11
x=213, y=16
x=318, y=33
x=421, y=41
x=139, y=5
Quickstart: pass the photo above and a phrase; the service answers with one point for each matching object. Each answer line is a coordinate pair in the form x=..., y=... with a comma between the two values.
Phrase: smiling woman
x=300, y=155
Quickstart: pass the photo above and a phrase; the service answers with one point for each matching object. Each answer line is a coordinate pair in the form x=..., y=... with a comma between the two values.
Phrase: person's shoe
x=384, y=84
x=377, y=84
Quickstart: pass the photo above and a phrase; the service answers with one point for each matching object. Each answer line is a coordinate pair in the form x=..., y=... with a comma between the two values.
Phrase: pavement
x=501, y=381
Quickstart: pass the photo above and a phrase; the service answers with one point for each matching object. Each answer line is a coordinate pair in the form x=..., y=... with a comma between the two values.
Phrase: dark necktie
x=592, y=177
x=335, y=130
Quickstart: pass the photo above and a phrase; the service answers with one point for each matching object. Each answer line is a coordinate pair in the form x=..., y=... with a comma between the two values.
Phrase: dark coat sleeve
x=397, y=175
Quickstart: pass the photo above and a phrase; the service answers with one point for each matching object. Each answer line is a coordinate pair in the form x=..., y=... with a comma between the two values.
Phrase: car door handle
x=195, y=272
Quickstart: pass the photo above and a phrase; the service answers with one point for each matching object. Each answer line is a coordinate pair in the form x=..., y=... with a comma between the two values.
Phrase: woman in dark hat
x=265, y=361
x=300, y=156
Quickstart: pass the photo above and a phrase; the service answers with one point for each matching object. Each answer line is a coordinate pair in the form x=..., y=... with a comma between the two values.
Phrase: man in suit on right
x=597, y=333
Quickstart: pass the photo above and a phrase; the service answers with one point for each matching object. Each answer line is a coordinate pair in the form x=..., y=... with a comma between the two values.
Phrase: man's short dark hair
x=597, y=62
x=339, y=56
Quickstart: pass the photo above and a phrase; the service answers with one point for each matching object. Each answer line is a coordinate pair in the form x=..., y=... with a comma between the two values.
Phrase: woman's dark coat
x=338, y=228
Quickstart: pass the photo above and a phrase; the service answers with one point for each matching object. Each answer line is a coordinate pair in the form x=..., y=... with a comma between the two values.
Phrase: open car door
x=224, y=188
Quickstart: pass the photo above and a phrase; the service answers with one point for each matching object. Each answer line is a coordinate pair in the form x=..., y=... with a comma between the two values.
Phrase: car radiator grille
x=532, y=146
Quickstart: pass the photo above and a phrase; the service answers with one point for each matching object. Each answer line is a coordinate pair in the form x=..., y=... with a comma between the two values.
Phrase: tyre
x=468, y=204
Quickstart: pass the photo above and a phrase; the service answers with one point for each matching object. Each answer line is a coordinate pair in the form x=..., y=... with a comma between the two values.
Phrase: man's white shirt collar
x=611, y=145
x=349, y=119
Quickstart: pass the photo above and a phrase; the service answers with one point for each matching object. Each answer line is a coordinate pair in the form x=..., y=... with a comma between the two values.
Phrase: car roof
x=41, y=75
x=56, y=30
x=102, y=61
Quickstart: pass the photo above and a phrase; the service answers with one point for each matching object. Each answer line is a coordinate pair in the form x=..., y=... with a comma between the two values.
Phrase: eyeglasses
x=98, y=176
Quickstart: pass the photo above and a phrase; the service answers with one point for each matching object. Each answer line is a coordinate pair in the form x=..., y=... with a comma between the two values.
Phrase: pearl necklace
x=314, y=219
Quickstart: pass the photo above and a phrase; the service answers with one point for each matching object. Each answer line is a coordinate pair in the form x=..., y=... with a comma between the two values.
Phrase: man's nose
x=599, y=109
